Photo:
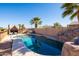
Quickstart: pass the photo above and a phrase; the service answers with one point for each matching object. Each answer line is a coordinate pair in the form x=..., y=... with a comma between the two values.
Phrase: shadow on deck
x=5, y=48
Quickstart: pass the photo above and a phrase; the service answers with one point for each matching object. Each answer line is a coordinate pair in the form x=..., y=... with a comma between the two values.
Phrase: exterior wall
x=3, y=34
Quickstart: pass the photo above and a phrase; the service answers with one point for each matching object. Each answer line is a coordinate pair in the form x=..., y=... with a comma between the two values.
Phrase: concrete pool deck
x=19, y=49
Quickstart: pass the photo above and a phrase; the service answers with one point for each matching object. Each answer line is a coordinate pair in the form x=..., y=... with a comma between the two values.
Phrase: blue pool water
x=42, y=45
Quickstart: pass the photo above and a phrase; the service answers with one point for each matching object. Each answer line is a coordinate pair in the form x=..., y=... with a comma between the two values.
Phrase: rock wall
x=48, y=31
x=69, y=49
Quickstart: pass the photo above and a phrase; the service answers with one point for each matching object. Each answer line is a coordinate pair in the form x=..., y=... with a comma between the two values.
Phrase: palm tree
x=36, y=21
x=71, y=9
x=57, y=25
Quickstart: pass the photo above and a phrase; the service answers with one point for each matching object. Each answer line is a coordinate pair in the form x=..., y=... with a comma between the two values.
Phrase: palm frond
x=73, y=15
x=70, y=9
x=32, y=22
x=66, y=5
x=40, y=22
x=67, y=12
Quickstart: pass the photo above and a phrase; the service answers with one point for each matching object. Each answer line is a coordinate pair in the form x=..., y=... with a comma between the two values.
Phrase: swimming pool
x=42, y=45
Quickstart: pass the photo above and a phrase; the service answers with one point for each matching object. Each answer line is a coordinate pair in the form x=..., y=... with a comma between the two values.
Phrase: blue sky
x=23, y=13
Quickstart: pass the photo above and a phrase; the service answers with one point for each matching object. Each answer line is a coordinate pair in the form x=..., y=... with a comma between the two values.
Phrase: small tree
x=57, y=25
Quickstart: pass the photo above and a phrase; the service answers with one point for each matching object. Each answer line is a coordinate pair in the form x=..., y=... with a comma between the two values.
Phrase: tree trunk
x=36, y=25
x=78, y=16
x=8, y=29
